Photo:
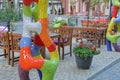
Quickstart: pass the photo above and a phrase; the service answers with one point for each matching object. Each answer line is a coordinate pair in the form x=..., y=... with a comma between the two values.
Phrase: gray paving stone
x=112, y=73
x=67, y=69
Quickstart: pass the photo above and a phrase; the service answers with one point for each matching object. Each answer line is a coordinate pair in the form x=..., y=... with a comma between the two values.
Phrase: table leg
x=59, y=46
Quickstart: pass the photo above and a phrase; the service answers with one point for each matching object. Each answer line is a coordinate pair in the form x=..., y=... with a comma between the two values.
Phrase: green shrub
x=84, y=51
x=9, y=13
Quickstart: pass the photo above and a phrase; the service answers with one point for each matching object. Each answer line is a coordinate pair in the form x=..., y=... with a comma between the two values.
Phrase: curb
x=104, y=69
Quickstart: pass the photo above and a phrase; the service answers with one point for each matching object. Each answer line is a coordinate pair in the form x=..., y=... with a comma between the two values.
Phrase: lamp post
x=8, y=25
x=88, y=13
x=110, y=11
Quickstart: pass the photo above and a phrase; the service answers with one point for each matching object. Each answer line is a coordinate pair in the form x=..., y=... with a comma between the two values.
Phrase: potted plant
x=84, y=54
x=58, y=22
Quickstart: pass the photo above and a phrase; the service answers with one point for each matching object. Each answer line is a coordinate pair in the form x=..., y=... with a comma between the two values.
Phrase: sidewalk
x=112, y=73
x=67, y=69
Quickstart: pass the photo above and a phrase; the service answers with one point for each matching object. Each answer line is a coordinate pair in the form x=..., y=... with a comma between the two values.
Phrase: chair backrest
x=4, y=40
x=15, y=39
x=66, y=35
x=88, y=33
x=55, y=30
x=88, y=23
x=77, y=32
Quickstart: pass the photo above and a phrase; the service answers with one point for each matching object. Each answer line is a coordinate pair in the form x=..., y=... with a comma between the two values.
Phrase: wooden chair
x=15, y=39
x=77, y=33
x=102, y=28
x=86, y=33
x=5, y=44
x=65, y=40
x=84, y=22
x=89, y=34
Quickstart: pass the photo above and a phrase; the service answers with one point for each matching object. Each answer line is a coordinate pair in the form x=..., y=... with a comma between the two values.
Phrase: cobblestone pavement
x=67, y=69
x=113, y=73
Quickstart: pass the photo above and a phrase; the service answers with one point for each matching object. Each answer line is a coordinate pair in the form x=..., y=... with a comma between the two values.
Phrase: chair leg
x=12, y=58
x=99, y=43
x=62, y=53
x=8, y=58
x=59, y=52
x=4, y=53
x=70, y=50
x=104, y=40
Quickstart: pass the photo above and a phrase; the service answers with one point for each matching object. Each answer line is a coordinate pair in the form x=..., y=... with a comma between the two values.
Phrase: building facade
x=81, y=7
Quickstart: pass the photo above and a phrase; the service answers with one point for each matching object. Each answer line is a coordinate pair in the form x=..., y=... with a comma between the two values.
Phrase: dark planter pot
x=82, y=63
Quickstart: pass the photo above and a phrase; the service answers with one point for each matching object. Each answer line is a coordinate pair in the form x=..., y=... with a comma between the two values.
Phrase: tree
x=97, y=2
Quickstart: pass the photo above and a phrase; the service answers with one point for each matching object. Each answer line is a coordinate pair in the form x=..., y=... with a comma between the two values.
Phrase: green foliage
x=70, y=22
x=8, y=13
x=84, y=52
x=93, y=3
x=107, y=1
x=96, y=2
x=58, y=22
x=73, y=2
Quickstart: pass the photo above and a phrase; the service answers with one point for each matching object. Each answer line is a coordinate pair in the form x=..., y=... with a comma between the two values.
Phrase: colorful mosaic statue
x=111, y=35
x=35, y=19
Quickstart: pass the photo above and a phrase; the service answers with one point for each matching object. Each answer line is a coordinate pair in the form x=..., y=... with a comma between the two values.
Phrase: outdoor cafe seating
x=88, y=34
x=101, y=26
x=4, y=44
x=66, y=33
x=15, y=39
x=65, y=39
x=9, y=42
x=97, y=35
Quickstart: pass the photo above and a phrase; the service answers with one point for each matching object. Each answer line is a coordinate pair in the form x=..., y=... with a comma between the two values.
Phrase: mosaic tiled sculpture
x=30, y=56
x=115, y=21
